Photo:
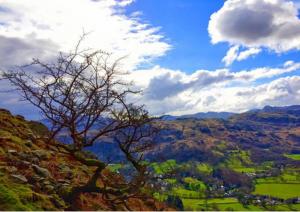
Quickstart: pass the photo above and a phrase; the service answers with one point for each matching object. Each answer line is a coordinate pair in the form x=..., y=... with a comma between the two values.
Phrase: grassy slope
x=23, y=187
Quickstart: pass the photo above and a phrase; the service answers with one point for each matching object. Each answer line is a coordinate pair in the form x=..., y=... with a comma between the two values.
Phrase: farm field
x=285, y=186
x=231, y=204
x=293, y=156
x=225, y=204
x=191, y=185
x=280, y=190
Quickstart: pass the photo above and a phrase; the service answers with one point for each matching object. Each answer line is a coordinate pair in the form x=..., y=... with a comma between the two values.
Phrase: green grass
x=215, y=204
x=164, y=167
x=115, y=167
x=194, y=184
x=231, y=204
x=9, y=200
x=237, y=207
x=287, y=177
x=171, y=181
x=239, y=161
x=204, y=168
x=245, y=169
x=18, y=197
x=293, y=156
x=184, y=193
x=284, y=191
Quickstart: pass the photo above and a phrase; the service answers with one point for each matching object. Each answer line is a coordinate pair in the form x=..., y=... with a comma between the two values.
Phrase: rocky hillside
x=36, y=175
x=268, y=134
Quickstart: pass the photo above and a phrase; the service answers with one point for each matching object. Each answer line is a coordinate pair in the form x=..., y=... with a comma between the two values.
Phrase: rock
x=12, y=151
x=63, y=181
x=20, y=178
x=41, y=171
x=42, y=155
x=11, y=169
x=28, y=143
x=53, y=148
x=29, y=158
x=36, y=178
x=26, y=163
x=32, y=136
x=46, y=182
x=49, y=188
x=25, y=156
x=64, y=168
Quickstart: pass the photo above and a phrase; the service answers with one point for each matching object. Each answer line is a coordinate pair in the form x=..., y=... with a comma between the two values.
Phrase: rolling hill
x=37, y=175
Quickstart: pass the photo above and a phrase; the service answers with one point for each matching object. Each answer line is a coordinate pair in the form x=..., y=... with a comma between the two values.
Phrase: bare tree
x=83, y=94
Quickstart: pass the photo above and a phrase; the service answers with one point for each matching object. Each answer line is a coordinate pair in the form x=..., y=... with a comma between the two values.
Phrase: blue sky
x=184, y=24
x=186, y=56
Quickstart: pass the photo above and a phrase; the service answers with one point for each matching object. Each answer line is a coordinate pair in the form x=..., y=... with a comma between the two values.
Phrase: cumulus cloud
x=234, y=54
x=176, y=92
x=160, y=83
x=256, y=24
x=16, y=51
x=280, y=92
x=41, y=28
x=248, y=53
x=231, y=55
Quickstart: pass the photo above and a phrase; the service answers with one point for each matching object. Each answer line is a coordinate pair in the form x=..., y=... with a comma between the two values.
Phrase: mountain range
x=268, y=132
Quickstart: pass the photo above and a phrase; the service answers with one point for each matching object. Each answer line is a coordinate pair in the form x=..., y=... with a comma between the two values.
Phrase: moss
x=9, y=200
x=2, y=152
x=88, y=161
x=21, y=197
x=64, y=191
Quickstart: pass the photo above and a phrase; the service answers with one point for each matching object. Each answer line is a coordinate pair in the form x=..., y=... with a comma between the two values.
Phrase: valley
x=249, y=162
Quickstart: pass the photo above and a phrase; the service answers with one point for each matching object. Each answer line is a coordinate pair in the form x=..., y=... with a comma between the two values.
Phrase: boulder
x=28, y=143
x=19, y=178
x=41, y=171
x=11, y=169
x=12, y=151
x=42, y=155
x=49, y=188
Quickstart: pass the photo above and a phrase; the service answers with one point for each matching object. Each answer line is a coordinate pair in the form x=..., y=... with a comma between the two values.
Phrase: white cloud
x=57, y=24
x=280, y=92
x=248, y=53
x=234, y=54
x=256, y=24
x=35, y=28
x=231, y=55
x=176, y=92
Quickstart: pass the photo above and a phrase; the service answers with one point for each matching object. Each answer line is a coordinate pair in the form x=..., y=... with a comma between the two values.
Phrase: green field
x=194, y=184
x=293, y=156
x=191, y=190
x=184, y=193
x=279, y=190
x=244, y=169
x=285, y=178
x=231, y=204
x=204, y=168
x=216, y=204
x=164, y=167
